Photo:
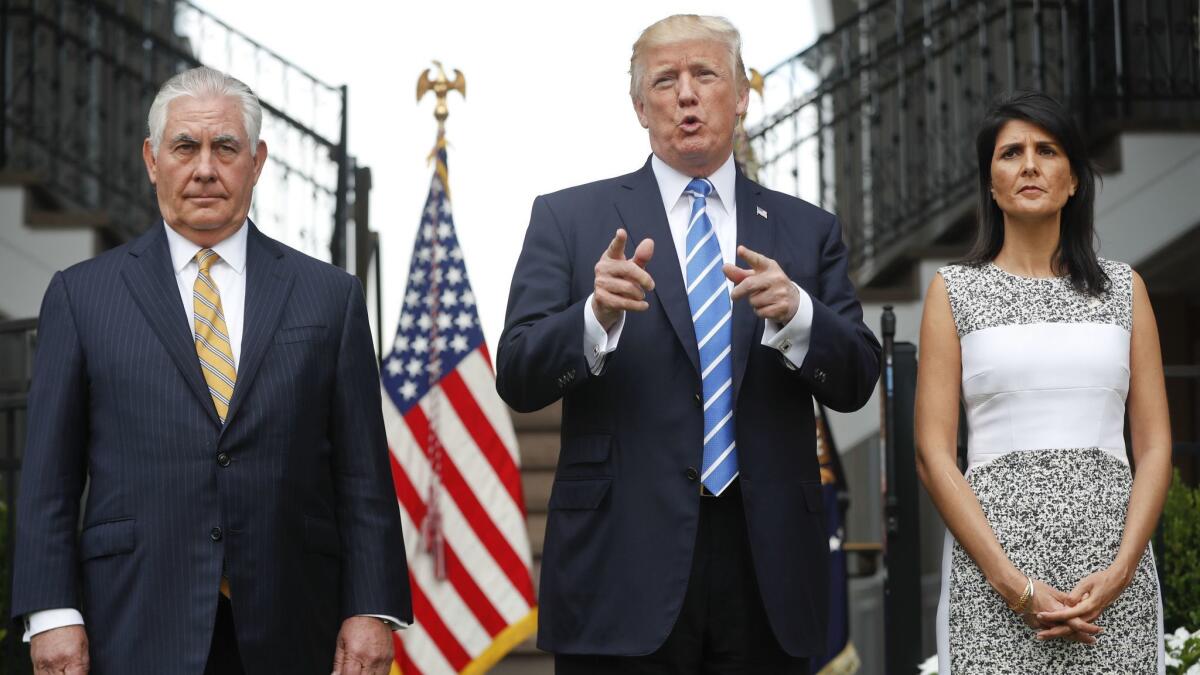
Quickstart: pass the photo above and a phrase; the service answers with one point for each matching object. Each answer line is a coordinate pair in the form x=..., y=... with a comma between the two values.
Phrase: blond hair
x=682, y=28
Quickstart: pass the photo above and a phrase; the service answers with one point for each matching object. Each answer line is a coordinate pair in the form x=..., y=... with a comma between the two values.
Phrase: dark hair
x=1076, y=254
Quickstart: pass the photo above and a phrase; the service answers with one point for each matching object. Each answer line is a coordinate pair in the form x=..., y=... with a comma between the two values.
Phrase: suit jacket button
x=691, y=473
x=223, y=459
x=215, y=534
x=697, y=400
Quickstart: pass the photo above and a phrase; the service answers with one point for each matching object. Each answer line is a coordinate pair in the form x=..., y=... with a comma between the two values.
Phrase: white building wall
x=29, y=256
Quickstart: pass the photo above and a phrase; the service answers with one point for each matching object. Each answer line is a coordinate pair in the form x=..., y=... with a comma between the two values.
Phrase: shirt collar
x=672, y=183
x=231, y=249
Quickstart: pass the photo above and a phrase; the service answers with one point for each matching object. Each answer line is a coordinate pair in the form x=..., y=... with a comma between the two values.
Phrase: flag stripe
x=479, y=563
x=491, y=620
x=443, y=597
x=482, y=482
x=474, y=512
x=477, y=374
x=438, y=633
x=485, y=436
x=401, y=658
x=424, y=651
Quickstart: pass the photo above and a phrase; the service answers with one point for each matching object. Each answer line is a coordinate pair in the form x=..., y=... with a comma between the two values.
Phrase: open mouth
x=690, y=123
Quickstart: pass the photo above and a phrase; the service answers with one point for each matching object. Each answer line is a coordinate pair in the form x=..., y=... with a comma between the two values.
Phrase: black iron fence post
x=16, y=359
x=901, y=535
x=337, y=244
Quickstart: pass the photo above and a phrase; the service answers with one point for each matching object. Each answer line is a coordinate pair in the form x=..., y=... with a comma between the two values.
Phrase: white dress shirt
x=791, y=340
x=229, y=274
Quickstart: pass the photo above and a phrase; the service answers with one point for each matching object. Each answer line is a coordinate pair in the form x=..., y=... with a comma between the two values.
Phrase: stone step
x=539, y=663
x=536, y=524
x=538, y=440
x=536, y=485
x=538, y=448
x=67, y=219
x=546, y=419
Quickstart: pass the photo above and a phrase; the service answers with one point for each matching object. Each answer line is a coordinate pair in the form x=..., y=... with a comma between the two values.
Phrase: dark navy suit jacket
x=292, y=497
x=624, y=507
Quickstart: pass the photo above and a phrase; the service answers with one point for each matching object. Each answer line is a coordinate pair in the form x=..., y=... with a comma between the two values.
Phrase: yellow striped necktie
x=212, y=336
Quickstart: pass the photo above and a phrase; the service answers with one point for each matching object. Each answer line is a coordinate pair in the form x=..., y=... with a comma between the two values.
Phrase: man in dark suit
x=685, y=532
x=218, y=395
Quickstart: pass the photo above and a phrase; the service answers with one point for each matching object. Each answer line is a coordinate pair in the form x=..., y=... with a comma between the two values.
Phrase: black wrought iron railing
x=78, y=77
x=17, y=340
x=876, y=120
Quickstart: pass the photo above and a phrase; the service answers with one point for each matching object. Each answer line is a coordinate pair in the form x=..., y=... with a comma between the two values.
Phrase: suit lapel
x=641, y=210
x=151, y=281
x=268, y=284
x=756, y=232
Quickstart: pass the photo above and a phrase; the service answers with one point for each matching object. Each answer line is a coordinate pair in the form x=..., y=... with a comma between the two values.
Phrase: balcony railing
x=876, y=120
x=78, y=77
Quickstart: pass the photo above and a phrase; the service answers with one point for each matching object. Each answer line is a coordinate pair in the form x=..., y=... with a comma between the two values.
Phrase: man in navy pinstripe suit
x=217, y=393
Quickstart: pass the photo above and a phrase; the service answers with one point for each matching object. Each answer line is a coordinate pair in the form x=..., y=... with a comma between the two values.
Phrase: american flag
x=455, y=466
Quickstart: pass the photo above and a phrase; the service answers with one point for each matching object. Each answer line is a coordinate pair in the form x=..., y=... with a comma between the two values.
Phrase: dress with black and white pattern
x=1045, y=374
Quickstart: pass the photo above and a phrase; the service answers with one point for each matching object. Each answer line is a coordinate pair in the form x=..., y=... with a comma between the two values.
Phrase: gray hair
x=204, y=83
x=682, y=28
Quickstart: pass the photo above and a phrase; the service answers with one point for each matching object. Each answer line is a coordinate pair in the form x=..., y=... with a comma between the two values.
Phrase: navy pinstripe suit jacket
x=303, y=517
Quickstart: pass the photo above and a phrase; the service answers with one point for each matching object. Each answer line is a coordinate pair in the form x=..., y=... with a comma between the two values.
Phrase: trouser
x=722, y=627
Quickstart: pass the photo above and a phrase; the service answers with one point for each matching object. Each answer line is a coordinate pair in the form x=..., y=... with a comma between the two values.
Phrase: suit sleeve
x=540, y=356
x=46, y=564
x=842, y=365
x=374, y=569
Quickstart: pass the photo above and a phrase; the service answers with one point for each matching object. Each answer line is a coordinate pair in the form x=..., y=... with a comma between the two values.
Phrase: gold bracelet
x=1019, y=607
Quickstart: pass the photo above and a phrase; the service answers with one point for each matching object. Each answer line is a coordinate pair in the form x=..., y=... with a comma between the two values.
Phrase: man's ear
x=639, y=107
x=260, y=159
x=743, y=101
x=151, y=161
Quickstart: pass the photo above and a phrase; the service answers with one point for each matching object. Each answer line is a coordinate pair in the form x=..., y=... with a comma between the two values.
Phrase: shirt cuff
x=49, y=619
x=598, y=343
x=792, y=339
x=392, y=622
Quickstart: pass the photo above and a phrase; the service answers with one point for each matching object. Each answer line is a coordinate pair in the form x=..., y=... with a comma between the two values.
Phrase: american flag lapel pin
x=762, y=213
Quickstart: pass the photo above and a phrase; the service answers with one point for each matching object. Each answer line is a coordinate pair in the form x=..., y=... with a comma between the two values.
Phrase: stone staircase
x=538, y=439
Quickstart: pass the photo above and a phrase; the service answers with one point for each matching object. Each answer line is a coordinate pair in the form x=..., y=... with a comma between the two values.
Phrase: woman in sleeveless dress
x=1046, y=566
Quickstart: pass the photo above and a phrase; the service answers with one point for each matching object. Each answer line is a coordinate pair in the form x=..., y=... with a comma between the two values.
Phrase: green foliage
x=1181, y=556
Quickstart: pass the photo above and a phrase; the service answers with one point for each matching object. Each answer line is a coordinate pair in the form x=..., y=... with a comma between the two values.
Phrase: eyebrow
x=1018, y=144
x=185, y=137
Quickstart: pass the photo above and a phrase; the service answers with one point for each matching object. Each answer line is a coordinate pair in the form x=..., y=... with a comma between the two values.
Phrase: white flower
x=1175, y=641
x=929, y=666
x=1194, y=670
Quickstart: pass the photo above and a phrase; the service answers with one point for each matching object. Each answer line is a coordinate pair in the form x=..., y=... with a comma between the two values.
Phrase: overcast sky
x=547, y=105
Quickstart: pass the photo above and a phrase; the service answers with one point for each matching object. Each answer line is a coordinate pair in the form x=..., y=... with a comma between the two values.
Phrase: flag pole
x=432, y=533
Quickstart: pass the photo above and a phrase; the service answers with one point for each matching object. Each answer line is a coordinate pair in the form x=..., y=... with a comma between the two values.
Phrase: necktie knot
x=206, y=258
x=699, y=188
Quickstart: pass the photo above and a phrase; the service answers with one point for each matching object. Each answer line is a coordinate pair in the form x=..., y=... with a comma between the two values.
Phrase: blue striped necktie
x=712, y=313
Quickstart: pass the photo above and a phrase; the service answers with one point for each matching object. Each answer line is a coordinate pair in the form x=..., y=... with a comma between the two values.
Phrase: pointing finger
x=616, y=248
x=644, y=251
x=735, y=273
x=757, y=261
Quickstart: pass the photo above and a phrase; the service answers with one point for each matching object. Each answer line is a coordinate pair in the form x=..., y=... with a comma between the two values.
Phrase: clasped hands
x=621, y=284
x=1055, y=614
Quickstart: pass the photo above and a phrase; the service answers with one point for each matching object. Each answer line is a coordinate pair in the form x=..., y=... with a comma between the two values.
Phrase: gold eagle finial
x=441, y=87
